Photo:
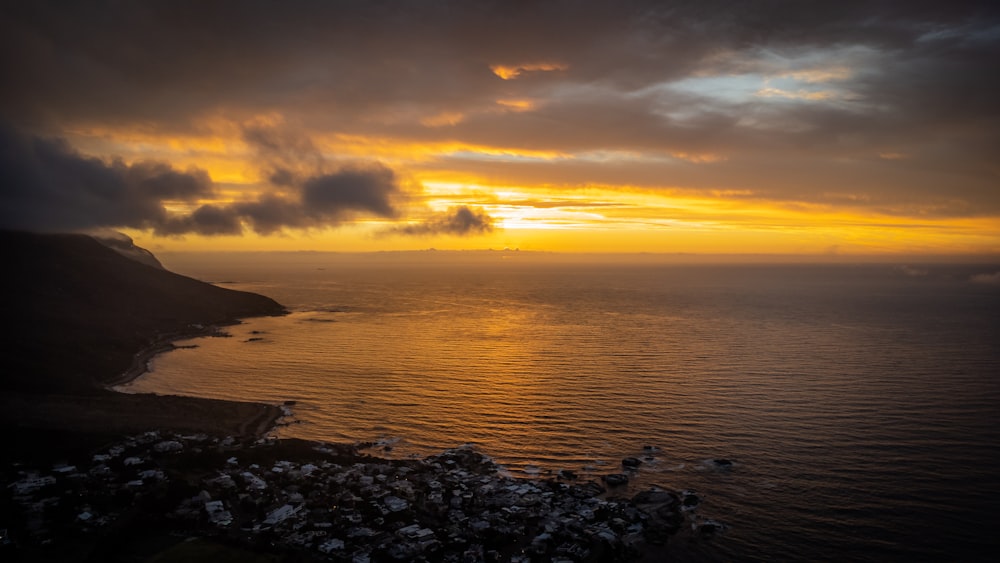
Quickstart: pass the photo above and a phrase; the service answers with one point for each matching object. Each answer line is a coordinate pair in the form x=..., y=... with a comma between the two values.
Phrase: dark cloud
x=459, y=221
x=368, y=190
x=282, y=177
x=159, y=180
x=289, y=159
x=46, y=185
x=206, y=220
x=921, y=78
x=334, y=61
x=324, y=200
x=321, y=201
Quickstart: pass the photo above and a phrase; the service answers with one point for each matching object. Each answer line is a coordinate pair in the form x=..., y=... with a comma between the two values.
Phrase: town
x=316, y=501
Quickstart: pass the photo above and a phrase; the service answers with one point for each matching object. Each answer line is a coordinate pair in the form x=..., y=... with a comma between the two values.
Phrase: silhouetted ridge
x=124, y=245
x=80, y=311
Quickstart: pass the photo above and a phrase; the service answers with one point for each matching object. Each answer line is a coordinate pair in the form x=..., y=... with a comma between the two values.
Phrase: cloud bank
x=46, y=185
x=887, y=107
x=461, y=220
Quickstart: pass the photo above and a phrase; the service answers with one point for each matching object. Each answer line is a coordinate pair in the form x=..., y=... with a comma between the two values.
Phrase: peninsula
x=83, y=313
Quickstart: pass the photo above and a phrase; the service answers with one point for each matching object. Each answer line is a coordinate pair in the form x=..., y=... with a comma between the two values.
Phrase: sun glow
x=537, y=210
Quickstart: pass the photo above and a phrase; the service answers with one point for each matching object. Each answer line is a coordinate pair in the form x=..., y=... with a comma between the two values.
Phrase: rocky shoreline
x=210, y=475
x=314, y=501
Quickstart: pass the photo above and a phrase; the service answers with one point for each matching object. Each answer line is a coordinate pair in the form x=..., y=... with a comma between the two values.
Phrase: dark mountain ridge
x=78, y=311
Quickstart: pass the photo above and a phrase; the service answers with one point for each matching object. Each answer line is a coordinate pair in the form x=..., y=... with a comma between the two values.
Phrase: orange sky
x=618, y=128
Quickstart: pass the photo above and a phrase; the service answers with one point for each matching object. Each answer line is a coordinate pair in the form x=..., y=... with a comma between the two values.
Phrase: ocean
x=858, y=404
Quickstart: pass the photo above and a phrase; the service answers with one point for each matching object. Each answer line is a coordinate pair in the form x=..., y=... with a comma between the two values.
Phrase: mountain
x=78, y=311
x=124, y=245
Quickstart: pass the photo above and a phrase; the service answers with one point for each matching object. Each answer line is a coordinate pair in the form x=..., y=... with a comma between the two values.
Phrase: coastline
x=258, y=419
x=99, y=453
x=163, y=344
x=111, y=411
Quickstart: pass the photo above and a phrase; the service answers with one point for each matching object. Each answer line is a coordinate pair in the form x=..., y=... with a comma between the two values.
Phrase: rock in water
x=691, y=500
x=616, y=479
x=663, y=508
x=631, y=462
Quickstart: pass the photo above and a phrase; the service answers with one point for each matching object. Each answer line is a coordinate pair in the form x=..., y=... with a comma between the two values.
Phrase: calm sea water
x=860, y=404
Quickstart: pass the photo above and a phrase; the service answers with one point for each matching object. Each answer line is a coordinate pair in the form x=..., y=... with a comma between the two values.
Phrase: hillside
x=78, y=311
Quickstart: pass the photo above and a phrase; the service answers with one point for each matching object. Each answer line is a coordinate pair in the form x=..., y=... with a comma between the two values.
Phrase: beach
x=121, y=413
x=110, y=412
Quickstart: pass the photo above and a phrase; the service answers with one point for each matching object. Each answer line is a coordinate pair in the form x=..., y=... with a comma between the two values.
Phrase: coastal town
x=311, y=501
x=93, y=475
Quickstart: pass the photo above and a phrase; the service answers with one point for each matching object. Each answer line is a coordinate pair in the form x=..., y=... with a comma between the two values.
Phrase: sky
x=785, y=127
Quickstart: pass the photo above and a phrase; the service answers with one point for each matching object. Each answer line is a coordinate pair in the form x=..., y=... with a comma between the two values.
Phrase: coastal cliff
x=79, y=311
x=82, y=315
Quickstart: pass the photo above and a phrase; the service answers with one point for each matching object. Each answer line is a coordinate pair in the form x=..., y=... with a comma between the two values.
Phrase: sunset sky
x=705, y=127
